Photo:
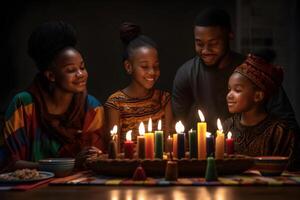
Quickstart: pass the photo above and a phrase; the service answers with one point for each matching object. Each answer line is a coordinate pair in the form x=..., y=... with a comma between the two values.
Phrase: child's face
x=144, y=67
x=68, y=71
x=241, y=94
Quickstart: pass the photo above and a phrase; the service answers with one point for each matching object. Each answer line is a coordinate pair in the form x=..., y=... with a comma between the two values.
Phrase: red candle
x=128, y=146
x=229, y=144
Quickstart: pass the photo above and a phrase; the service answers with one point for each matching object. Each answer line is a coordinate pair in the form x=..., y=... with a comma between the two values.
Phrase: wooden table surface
x=158, y=193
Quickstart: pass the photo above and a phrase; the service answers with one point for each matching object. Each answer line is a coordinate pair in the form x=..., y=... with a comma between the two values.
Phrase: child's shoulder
x=162, y=93
x=118, y=95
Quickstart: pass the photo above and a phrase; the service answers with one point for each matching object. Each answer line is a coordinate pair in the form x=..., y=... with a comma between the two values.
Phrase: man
x=201, y=83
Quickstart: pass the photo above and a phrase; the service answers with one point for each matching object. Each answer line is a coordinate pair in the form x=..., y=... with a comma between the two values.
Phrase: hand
x=87, y=154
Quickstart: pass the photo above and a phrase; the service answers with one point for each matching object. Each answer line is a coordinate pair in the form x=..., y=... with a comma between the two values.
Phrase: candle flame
x=201, y=116
x=169, y=137
x=150, y=125
x=142, y=129
x=128, y=135
x=219, y=125
x=229, y=135
x=208, y=134
x=159, y=125
x=179, y=127
x=114, y=130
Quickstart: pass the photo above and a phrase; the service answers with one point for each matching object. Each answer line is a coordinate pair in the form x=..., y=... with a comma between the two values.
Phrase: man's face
x=211, y=44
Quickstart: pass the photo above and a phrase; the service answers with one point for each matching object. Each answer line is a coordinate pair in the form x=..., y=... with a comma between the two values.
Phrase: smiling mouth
x=81, y=83
x=230, y=103
x=150, y=79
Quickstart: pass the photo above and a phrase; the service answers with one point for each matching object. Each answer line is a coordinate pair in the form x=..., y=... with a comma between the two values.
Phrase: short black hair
x=213, y=17
x=48, y=39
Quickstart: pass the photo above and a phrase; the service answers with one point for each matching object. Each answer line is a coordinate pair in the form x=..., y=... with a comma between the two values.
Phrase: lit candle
x=201, y=133
x=175, y=149
x=229, y=144
x=210, y=146
x=112, y=146
x=159, y=141
x=149, y=141
x=128, y=146
x=141, y=142
x=169, y=144
x=193, y=144
x=219, y=154
x=180, y=140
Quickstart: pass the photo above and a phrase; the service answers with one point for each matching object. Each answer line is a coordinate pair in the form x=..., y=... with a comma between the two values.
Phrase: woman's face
x=241, y=94
x=68, y=71
x=144, y=67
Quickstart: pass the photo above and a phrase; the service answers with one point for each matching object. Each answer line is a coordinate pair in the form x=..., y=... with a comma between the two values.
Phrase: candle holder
x=171, y=171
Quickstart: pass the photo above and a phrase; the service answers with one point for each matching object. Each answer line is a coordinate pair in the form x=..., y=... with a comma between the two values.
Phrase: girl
x=54, y=117
x=139, y=100
x=256, y=132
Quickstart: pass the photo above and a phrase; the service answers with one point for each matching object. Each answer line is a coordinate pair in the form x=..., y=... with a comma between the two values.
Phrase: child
x=139, y=101
x=256, y=132
x=54, y=117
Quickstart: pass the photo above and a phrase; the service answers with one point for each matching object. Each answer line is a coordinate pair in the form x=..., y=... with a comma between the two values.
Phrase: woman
x=54, y=117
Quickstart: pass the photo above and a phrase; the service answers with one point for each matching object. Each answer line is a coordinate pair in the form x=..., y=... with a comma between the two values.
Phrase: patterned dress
x=133, y=111
x=270, y=137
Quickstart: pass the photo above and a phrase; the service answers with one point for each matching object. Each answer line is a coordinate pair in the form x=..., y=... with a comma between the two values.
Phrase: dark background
x=257, y=24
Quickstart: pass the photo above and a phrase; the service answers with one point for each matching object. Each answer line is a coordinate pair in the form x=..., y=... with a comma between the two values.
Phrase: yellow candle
x=149, y=142
x=201, y=136
x=220, y=138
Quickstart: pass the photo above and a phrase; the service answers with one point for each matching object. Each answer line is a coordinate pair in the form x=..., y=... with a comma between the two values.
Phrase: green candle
x=159, y=141
x=193, y=144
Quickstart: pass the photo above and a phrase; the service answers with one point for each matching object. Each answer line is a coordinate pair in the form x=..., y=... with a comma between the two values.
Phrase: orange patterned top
x=133, y=111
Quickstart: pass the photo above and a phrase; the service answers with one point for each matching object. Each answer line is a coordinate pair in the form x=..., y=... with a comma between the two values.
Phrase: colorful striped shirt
x=23, y=137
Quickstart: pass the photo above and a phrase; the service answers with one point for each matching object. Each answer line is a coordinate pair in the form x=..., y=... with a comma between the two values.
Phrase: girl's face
x=68, y=71
x=143, y=65
x=241, y=95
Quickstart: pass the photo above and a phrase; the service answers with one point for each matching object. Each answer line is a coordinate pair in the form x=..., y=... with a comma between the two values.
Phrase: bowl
x=61, y=167
x=271, y=165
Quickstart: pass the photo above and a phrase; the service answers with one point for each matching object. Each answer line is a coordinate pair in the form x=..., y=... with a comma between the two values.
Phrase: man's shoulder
x=189, y=66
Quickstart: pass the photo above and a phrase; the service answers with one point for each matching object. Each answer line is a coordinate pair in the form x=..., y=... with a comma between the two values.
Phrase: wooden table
x=158, y=193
